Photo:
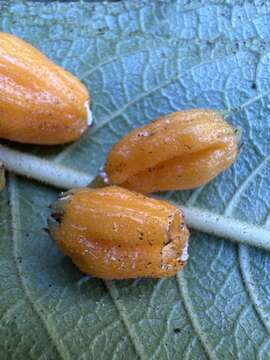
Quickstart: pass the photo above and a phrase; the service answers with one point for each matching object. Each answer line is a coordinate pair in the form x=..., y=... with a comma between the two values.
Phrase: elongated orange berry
x=182, y=150
x=40, y=103
x=113, y=233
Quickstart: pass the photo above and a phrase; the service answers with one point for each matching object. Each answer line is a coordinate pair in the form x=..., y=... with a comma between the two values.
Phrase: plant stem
x=227, y=227
x=42, y=170
x=65, y=178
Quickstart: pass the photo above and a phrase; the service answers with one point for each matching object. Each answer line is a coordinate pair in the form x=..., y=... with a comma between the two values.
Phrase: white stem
x=227, y=227
x=42, y=170
x=199, y=219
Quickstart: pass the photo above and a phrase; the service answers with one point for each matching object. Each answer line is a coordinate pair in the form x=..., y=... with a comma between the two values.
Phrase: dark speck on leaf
x=177, y=330
x=254, y=86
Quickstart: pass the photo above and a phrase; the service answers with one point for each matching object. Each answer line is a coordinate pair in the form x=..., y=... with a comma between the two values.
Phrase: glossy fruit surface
x=182, y=150
x=40, y=103
x=113, y=233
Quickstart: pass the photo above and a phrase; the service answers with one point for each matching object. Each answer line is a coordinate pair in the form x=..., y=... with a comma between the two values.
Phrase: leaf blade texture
x=141, y=60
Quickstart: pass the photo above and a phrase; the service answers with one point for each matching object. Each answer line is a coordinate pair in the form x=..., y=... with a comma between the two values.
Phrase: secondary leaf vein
x=15, y=216
x=132, y=336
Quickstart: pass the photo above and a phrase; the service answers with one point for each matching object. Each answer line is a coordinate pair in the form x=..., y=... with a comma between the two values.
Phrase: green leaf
x=2, y=176
x=142, y=59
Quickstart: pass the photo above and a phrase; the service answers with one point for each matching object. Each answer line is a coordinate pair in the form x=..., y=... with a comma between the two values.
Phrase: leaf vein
x=236, y=197
x=246, y=281
x=133, y=338
x=15, y=214
x=181, y=282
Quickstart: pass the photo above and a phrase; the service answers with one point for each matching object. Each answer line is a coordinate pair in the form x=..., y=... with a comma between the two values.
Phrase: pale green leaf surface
x=141, y=59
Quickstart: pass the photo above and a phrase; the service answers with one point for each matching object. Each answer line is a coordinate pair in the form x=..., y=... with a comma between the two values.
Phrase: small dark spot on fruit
x=177, y=330
x=58, y=216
